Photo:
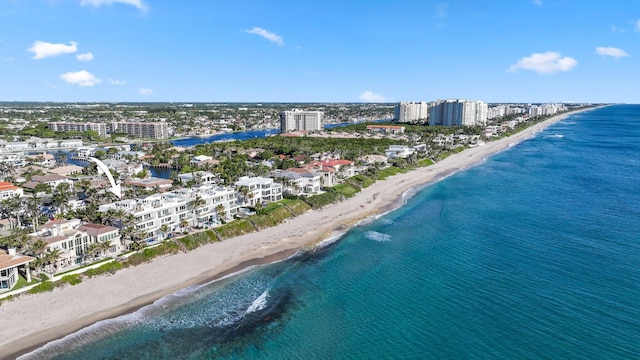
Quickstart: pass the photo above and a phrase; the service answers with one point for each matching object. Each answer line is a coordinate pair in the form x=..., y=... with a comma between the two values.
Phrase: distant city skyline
x=523, y=51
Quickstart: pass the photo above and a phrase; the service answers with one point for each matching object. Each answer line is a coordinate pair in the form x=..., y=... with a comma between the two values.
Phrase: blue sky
x=320, y=50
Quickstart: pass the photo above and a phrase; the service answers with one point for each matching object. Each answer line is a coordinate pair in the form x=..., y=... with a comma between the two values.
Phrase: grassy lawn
x=346, y=190
x=390, y=171
x=22, y=282
x=235, y=228
x=425, y=162
x=362, y=181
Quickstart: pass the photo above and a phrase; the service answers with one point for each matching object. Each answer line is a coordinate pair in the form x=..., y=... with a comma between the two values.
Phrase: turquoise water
x=534, y=254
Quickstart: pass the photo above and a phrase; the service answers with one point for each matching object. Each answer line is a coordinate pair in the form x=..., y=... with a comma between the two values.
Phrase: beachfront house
x=11, y=265
x=374, y=159
x=258, y=189
x=76, y=241
x=399, y=151
x=300, y=181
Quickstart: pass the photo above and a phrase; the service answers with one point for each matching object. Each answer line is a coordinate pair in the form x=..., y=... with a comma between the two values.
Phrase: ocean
x=532, y=254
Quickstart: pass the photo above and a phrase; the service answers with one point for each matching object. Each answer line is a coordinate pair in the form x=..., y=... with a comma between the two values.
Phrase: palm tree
x=244, y=191
x=61, y=196
x=52, y=256
x=33, y=208
x=164, y=229
x=38, y=247
x=93, y=250
x=61, y=158
x=221, y=212
x=6, y=170
x=11, y=207
x=16, y=239
x=197, y=203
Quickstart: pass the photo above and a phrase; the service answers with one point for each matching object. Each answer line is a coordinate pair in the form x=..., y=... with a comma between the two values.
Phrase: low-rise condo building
x=258, y=189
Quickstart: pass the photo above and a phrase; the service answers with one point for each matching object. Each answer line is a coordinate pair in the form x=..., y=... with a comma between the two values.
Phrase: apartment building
x=218, y=203
x=153, y=211
x=410, y=112
x=100, y=128
x=146, y=130
x=301, y=120
x=458, y=113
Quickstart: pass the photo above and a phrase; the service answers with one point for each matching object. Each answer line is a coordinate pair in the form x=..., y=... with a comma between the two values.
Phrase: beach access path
x=30, y=321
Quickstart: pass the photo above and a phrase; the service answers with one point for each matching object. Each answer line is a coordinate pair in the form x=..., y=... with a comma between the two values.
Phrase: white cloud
x=80, y=78
x=370, y=96
x=42, y=49
x=267, y=35
x=117, y=82
x=616, y=29
x=637, y=27
x=538, y=2
x=145, y=91
x=85, y=57
x=611, y=51
x=544, y=63
x=139, y=4
x=441, y=10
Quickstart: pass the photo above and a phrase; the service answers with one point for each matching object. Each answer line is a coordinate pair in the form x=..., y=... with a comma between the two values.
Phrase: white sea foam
x=376, y=236
x=86, y=335
x=258, y=304
x=553, y=136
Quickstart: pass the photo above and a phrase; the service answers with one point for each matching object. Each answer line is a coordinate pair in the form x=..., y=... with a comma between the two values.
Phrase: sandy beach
x=33, y=320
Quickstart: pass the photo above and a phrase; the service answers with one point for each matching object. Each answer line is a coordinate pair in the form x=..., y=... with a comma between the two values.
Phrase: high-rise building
x=409, y=111
x=458, y=113
x=147, y=130
x=301, y=120
x=100, y=128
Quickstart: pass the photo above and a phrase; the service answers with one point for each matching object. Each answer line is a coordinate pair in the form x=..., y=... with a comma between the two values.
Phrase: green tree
x=61, y=196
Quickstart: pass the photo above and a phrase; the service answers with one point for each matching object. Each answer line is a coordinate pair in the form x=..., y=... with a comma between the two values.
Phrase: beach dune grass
x=196, y=240
x=322, y=200
x=362, y=181
x=42, y=287
x=425, y=162
x=235, y=228
x=387, y=172
x=108, y=268
x=347, y=190
x=73, y=279
x=274, y=216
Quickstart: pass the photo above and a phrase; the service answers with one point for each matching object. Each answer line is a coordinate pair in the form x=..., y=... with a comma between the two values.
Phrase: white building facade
x=458, y=113
x=409, y=111
x=260, y=189
x=301, y=120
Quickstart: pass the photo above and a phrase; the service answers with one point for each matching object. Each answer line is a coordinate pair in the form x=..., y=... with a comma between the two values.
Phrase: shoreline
x=71, y=308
